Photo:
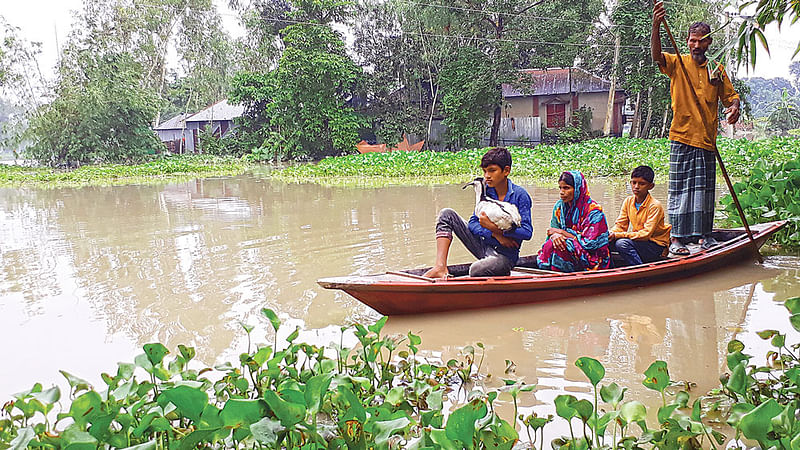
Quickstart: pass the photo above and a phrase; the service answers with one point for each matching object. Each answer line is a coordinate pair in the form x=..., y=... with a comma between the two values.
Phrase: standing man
x=692, y=165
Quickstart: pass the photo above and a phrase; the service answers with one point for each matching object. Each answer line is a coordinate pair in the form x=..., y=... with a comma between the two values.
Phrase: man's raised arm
x=655, y=38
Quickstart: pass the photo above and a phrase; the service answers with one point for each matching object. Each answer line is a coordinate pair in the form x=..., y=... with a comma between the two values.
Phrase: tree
x=764, y=92
x=400, y=45
x=101, y=114
x=751, y=30
x=147, y=30
x=638, y=75
x=300, y=109
x=785, y=113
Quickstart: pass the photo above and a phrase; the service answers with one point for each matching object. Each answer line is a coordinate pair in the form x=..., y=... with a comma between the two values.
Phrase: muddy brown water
x=88, y=275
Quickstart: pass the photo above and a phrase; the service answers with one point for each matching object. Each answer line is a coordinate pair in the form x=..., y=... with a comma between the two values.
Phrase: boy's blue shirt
x=518, y=197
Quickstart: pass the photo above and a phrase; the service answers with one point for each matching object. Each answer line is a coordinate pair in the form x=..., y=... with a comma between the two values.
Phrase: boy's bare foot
x=436, y=272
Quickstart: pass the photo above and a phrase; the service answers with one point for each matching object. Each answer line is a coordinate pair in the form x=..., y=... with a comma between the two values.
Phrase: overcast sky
x=43, y=20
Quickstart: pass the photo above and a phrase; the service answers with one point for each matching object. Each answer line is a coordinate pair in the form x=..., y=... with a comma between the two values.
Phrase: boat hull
x=394, y=295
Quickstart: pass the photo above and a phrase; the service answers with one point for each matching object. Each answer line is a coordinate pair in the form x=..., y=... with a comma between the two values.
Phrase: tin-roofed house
x=172, y=133
x=555, y=93
x=182, y=132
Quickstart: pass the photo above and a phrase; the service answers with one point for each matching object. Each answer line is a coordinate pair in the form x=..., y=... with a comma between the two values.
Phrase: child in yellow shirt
x=639, y=234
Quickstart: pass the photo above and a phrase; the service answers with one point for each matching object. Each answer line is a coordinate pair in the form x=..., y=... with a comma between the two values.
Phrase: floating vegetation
x=381, y=394
x=159, y=170
x=595, y=158
x=769, y=193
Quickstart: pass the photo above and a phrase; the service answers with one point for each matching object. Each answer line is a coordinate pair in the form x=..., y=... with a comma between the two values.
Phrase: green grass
x=595, y=158
x=159, y=170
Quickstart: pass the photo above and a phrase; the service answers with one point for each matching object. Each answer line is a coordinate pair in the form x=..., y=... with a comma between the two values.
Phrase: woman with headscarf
x=578, y=233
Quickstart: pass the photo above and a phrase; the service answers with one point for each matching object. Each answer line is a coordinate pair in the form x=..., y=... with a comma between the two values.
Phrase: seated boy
x=639, y=234
x=497, y=251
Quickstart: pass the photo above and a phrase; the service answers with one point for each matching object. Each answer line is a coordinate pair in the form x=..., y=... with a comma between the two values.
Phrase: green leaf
x=23, y=438
x=85, y=407
x=584, y=408
x=190, y=401
x=735, y=358
x=49, y=396
x=766, y=334
x=758, y=422
x=612, y=394
x=657, y=376
x=288, y=413
x=564, y=406
x=378, y=326
x=155, y=353
x=738, y=380
x=188, y=353
x=735, y=346
x=461, y=423
x=247, y=328
x=793, y=305
x=73, y=438
x=239, y=413
x=633, y=411
x=316, y=387
x=266, y=430
x=795, y=321
x=591, y=368
x=76, y=383
x=273, y=318
x=384, y=429
x=665, y=412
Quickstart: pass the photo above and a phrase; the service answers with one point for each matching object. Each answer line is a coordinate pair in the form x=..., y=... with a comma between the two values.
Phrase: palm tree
x=785, y=113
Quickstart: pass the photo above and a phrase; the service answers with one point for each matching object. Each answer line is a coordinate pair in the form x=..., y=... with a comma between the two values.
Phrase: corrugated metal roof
x=557, y=81
x=222, y=110
x=175, y=123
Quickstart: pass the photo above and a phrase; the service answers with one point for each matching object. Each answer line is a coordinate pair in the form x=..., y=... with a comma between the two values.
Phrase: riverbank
x=596, y=158
x=170, y=168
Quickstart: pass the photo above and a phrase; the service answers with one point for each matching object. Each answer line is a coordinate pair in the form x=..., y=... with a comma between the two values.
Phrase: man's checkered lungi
x=692, y=183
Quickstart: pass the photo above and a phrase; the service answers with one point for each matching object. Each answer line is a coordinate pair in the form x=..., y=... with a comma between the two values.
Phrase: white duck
x=503, y=214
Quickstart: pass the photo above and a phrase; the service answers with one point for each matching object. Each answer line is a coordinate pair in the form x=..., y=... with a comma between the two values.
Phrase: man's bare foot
x=436, y=272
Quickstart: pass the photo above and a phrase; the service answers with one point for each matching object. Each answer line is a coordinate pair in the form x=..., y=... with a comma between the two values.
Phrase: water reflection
x=91, y=274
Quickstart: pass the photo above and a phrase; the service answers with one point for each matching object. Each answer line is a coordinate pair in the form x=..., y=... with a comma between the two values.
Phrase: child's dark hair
x=645, y=172
x=496, y=155
x=567, y=177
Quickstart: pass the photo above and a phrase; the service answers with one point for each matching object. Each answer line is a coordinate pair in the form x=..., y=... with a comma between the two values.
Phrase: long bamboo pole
x=713, y=142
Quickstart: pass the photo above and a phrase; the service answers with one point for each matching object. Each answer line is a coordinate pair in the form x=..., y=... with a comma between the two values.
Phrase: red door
x=556, y=115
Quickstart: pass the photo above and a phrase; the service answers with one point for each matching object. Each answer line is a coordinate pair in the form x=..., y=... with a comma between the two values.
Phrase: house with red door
x=553, y=94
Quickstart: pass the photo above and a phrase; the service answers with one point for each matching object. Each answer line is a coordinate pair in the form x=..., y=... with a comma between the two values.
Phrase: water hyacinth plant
x=169, y=168
x=381, y=395
x=769, y=193
x=598, y=157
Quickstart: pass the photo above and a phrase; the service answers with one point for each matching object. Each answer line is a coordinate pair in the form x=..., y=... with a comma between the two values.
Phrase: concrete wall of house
x=534, y=106
x=175, y=135
x=527, y=106
x=598, y=102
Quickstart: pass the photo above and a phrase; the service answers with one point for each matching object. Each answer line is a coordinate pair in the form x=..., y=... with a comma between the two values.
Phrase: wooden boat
x=408, y=292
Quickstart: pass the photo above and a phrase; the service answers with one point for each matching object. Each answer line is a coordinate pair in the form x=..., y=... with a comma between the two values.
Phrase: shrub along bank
x=159, y=169
x=380, y=394
x=598, y=157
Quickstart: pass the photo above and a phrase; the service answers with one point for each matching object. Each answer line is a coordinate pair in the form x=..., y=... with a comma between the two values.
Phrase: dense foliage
x=381, y=394
x=769, y=193
x=764, y=92
x=158, y=169
x=102, y=114
x=300, y=109
x=599, y=157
